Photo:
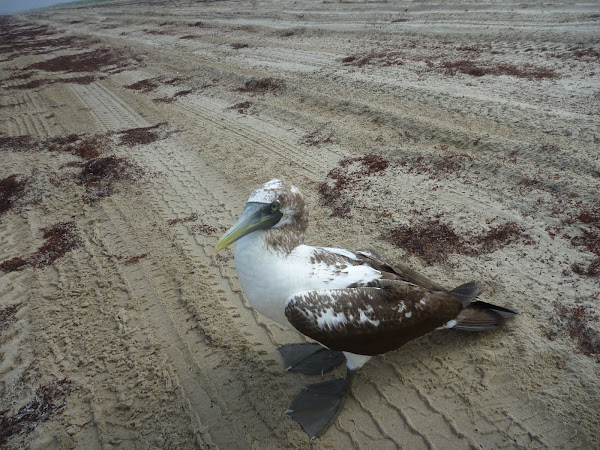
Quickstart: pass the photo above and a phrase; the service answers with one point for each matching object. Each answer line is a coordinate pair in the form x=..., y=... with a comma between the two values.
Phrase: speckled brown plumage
x=371, y=320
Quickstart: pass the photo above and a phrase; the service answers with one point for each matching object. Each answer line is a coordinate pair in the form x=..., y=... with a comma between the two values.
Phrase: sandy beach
x=460, y=138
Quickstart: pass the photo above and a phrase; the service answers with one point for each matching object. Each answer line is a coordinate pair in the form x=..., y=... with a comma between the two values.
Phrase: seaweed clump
x=86, y=147
x=12, y=188
x=241, y=107
x=589, y=238
x=262, y=85
x=19, y=38
x=101, y=59
x=48, y=400
x=575, y=321
x=61, y=238
x=317, y=139
x=100, y=175
x=333, y=193
x=7, y=314
x=498, y=237
x=147, y=85
x=433, y=240
x=386, y=58
x=174, y=97
x=85, y=79
x=469, y=67
x=16, y=143
x=142, y=135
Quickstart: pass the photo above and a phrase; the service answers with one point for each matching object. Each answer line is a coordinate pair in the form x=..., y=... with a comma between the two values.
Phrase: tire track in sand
x=262, y=135
x=169, y=191
x=266, y=356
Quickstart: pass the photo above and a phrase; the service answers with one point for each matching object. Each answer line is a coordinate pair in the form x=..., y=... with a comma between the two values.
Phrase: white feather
x=328, y=319
x=269, y=278
x=267, y=193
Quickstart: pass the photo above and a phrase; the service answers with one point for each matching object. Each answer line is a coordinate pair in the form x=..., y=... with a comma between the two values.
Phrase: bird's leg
x=317, y=406
x=310, y=358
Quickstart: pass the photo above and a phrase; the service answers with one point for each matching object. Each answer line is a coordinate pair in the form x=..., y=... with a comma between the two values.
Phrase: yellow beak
x=256, y=216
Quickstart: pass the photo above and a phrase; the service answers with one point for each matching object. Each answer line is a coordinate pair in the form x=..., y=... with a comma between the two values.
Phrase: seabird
x=354, y=304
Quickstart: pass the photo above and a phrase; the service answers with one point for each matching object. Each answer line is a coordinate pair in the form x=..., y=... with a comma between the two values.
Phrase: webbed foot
x=310, y=358
x=317, y=406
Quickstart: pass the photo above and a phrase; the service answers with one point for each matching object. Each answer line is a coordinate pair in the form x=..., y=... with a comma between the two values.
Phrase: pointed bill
x=256, y=216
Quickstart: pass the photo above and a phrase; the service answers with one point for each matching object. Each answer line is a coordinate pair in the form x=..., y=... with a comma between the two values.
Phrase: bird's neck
x=283, y=240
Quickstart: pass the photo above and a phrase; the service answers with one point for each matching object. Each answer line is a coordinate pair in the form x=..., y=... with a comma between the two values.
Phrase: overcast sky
x=15, y=6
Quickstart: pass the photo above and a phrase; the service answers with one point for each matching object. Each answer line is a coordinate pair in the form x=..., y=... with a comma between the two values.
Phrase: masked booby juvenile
x=354, y=304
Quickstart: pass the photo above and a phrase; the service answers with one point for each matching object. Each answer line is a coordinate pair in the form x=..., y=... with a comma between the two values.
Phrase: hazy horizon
x=19, y=6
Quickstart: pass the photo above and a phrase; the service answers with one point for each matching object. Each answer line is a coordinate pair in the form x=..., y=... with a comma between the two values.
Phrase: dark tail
x=478, y=315
x=482, y=316
x=467, y=292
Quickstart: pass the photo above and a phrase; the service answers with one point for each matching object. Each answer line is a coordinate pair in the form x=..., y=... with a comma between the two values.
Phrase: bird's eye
x=274, y=206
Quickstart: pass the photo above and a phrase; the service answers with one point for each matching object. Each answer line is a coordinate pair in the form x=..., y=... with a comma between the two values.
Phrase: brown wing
x=370, y=320
x=398, y=271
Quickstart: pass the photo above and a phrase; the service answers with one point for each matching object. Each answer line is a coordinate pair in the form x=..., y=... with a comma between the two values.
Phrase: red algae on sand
x=99, y=176
x=48, y=400
x=12, y=188
x=61, y=238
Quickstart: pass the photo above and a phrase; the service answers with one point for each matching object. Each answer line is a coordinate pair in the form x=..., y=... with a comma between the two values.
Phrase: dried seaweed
x=12, y=188
x=454, y=163
x=241, y=107
x=100, y=175
x=47, y=401
x=127, y=260
x=475, y=69
x=497, y=237
x=20, y=39
x=147, y=85
x=191, y=218
x=443, y=58
x=13, y=264
x=592, y=270
x=317, y=138
x=386, y=58
x=206, y=229
x=7, y=314
x=87, y=147
x=174, y=97
x=61, y=238
x=333, y=193
x=574, y=321
x=142, y=135
x=434, y=240
x=262, y=85
x=16, y=143
x=98, y=60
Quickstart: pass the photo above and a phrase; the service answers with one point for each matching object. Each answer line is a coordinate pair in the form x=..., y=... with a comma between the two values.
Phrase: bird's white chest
x=269, y=278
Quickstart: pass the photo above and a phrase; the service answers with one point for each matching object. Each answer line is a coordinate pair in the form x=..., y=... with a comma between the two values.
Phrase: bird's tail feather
x=467, y=292
x=482, y=316
x=478, y=315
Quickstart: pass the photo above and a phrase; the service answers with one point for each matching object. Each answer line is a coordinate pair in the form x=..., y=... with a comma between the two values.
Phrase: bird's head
x=276, y=205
